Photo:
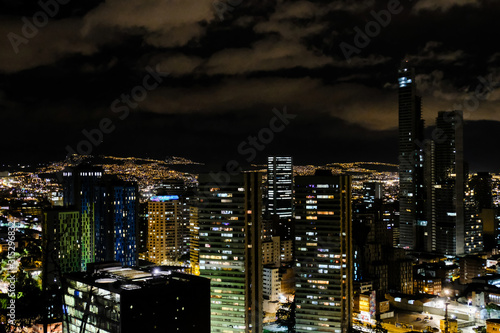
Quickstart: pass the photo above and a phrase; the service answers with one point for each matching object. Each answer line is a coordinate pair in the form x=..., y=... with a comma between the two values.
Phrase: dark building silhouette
x=449, y=184
x=481, y=184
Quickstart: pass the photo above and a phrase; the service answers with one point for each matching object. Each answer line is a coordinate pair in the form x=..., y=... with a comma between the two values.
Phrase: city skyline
x=229, y=71
x=249, y=167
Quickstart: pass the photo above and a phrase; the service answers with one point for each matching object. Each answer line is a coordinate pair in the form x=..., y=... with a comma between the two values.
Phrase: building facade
x=116, y=222
x=79, y=185
x=230, y=230
x=280, y=186
x=165, y=229
x=324, y=258
x=449, y=184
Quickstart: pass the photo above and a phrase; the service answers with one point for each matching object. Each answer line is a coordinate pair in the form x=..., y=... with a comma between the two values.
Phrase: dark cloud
x=444, y=5
x=227, y=75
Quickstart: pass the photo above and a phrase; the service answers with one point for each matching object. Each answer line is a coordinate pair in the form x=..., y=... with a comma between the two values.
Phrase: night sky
x=230, y=63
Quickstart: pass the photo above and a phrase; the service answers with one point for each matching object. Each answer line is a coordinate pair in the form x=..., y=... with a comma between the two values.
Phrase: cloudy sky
x=204, y=75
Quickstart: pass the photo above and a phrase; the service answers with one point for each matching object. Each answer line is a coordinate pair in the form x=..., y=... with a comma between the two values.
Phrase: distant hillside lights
x=122, y=106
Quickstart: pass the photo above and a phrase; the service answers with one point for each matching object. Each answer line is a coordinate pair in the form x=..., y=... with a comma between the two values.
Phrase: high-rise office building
x=62, y=241
x=187, y=200
x=473, y=219
x=280, y=186
x=324, y=256
x=230, y=222
x=62, y=255
x=114, y=299
x=481, y=184
x=449, y=184
x=372, y=191
x=164, y=229
x=142, y=226
x=79, y=192
x=412, y=223
x=481, y=199
x=194, y=241
x=116, y=226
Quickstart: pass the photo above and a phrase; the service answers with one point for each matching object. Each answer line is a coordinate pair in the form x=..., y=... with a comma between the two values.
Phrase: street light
x=446, y=317
x=447, y=293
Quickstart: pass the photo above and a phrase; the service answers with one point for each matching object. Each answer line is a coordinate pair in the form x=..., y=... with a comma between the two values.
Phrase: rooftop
x=117, y=279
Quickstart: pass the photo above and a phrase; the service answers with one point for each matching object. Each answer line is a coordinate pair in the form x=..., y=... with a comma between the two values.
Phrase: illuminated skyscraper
x=194, y=240
x=79, y=185
x=187, y=200
x=480, y=190
x=230, y=222
x=62, y=254
x=280, y=186
x=412, y=223
x=324, y=272
x=116, y=213
x=164, y=229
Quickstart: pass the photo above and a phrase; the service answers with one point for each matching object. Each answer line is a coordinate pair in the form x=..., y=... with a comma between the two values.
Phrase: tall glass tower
x=413, y=223
x=449, y=184
x=79, y=185
x=116, y=211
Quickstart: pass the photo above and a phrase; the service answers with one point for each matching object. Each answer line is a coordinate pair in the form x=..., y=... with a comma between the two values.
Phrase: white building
x=272, y=284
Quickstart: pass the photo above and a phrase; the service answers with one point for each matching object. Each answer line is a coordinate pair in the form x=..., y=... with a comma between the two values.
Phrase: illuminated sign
x=364, y=303
x=164, y=198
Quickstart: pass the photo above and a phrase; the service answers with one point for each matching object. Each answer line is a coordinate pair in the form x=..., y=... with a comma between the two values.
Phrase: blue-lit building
x=116, y=214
